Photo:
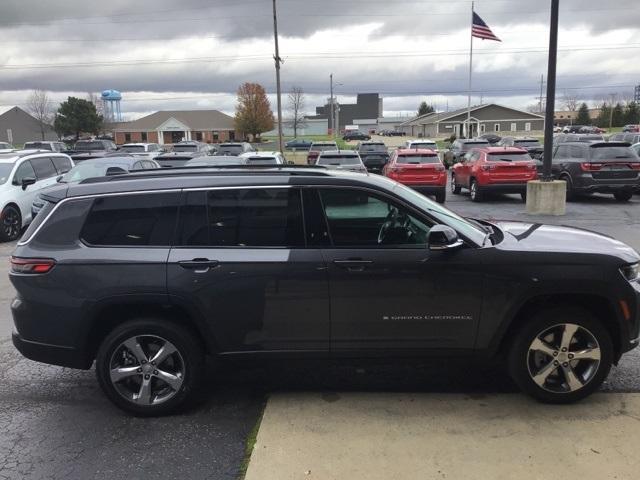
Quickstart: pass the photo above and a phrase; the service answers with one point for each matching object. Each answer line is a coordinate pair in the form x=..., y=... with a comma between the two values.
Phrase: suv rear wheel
x=474, y=191
x=623, y=196
x=150, y=367
x=561, y=355
x=455, y=188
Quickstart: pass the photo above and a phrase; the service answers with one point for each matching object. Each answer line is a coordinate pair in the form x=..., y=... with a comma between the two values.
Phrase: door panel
x=396, y=296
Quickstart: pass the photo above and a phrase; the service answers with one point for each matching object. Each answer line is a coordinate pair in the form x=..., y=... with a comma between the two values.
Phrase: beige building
x=567, y=117
x=209, y=126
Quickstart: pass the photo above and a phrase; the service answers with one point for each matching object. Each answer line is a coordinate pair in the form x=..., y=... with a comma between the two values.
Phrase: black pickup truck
x=374, y=155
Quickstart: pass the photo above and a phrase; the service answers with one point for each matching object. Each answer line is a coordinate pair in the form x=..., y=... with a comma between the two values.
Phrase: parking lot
x=56, y=423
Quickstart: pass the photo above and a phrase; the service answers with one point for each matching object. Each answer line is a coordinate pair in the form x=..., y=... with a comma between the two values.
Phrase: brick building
x=209, y=126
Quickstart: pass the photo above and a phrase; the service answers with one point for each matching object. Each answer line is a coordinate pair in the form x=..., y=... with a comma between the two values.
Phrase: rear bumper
x=428, y=189
x=504, y=187
x=586, y=183
x=51, y=354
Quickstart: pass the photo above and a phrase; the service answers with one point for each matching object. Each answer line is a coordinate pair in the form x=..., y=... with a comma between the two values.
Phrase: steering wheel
x=394, y=219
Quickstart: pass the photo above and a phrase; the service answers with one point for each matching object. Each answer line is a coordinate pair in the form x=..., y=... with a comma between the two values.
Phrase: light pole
x=278, y=61
x=551, y=91
x=333, y=127
x=613, y=96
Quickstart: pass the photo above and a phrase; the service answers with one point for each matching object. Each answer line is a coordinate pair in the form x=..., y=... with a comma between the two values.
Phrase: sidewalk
x=375, y=436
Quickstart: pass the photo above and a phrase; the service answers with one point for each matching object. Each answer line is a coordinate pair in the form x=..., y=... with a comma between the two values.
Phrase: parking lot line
x=433, y=436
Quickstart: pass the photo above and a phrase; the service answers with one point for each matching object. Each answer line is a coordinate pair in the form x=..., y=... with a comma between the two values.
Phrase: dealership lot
x=55, y=423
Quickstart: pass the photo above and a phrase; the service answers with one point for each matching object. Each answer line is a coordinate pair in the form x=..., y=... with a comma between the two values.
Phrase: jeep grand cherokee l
x=146, y=273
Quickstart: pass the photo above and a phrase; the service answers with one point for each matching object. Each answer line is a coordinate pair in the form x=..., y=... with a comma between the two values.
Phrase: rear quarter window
x=132, y=220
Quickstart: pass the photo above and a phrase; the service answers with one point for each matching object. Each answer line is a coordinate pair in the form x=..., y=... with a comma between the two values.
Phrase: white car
x=341, y=160
x=263, y=158
x=636, y=148
x=142, y=150
x=420, y=144
x=6, y=147
x=22, y=175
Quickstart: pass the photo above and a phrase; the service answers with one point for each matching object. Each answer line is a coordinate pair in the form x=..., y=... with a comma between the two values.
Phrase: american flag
x=480, y=29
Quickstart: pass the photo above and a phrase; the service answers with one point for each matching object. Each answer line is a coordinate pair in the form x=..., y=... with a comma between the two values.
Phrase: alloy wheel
x=563, y=358
x=473, y=190
x=453, y=183
x=147, y=370
x=11, y=223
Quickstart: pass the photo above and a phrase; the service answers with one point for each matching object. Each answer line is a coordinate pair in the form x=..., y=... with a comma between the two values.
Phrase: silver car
x=341, y=160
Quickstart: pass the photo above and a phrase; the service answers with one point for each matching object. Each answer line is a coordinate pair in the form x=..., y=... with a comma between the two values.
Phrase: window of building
x=252, y=217
x=496, y=127
x=127, y=137
x=215, y=136
x=527, y=127
x=359, y=219
x=199, y=136
x=143, y=136
x=483, y=128
x=132, y=220
x=514, y=127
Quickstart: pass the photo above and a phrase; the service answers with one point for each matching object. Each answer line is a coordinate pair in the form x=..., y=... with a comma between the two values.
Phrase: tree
x=632, y=113
x=425, y=108
x=583, y=115
x=604, y=116
x=570, y=102
x=253, y=112
x=76, y=116
x=39, y=106
x=296, y=108
x=618, y=115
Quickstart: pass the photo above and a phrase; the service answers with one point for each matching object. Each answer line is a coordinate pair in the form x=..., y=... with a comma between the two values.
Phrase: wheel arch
x=601, y=307
x=110, y=313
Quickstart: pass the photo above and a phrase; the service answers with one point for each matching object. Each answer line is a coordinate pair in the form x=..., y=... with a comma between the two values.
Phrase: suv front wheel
x=150, y=367
x=561, y=355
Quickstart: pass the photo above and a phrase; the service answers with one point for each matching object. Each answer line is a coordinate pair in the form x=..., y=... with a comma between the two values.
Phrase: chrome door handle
x=199, y=265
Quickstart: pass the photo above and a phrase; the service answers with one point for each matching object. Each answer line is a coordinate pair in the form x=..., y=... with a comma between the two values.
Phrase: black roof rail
x=220, y=170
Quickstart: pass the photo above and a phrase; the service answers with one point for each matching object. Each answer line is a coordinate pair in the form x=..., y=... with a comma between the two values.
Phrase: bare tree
x=296, y=108
x=96, y=99
x=40, y=107
x=570, y=102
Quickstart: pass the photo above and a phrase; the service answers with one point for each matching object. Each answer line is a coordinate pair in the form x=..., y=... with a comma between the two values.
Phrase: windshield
x=132, y=148
x=37, y=145
x=185, y=148
x=89, y=146
x=5, y=145
x=469, y=145
x=430, y=145
x=418, y=159
x=236, y=149
x=262, y=161
x=215, y=161
x=373, y=147
x=339, y=160
x=527, y=143
x=5, y=171
x=509, y=157
x=323, y=147
x=611, y=153
x=441, y=214
x=591, y=138
x=86, y=170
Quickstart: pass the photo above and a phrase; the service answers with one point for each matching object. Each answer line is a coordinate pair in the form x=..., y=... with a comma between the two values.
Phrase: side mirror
x=443, y=237
x=27, y=181
x=59, y=178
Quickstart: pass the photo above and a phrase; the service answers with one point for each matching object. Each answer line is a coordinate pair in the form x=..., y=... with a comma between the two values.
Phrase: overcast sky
x=163, y=54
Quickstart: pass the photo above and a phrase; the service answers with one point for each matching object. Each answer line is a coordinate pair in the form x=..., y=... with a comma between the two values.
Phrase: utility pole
x=333, y=118
x=278, y=61
x=613, y=96
x=551, y=91
x=541, y=90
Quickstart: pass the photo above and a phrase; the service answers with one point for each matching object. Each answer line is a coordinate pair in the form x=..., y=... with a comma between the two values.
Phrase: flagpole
x=470, y=72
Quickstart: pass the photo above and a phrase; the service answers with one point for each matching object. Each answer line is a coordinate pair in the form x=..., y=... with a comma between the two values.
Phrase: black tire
x=519, y=358
x=455, y=188
x=623, y=196
x=11, y=226
x=190, y=357
x=523, y=196
x=441, y=197
x=571, y=194
x=474, y=191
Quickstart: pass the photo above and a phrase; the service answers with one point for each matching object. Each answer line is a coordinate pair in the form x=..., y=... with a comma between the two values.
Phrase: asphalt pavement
x=55, y=423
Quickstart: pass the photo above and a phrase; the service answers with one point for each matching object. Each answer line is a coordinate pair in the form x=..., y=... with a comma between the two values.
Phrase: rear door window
x=25, y=170
x=132, y=220
x=251, y=217
x=43, y=167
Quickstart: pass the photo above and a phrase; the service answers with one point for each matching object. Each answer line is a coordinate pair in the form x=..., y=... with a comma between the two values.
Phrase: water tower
x=111, y=100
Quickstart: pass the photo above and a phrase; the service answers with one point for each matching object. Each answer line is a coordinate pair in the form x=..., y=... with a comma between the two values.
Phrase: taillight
x=31, y=265
x=440, y=168
x=590, y=167
x=532, y=166
x=635, y=166
x=487, y=166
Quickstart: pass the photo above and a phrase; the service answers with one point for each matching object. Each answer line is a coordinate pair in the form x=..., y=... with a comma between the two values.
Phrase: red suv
x=494, y=169
x=420, y=169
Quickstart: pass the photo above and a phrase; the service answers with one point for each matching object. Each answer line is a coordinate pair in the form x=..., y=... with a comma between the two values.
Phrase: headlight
x=631, y=272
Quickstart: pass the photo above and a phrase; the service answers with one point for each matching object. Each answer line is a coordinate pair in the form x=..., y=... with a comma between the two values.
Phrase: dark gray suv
x=601, y=167
x=146, y=273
